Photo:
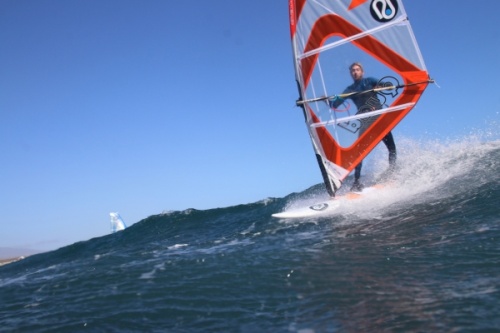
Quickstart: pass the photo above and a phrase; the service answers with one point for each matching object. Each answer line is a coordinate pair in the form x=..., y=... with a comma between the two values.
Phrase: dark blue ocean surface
x=422, y=255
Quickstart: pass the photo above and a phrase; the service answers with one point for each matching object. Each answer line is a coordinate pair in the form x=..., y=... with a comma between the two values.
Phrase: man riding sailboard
x=365, y=102
x=327, y=37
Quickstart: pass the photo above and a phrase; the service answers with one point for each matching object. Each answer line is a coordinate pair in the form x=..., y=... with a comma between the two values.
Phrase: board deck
x=325, y=207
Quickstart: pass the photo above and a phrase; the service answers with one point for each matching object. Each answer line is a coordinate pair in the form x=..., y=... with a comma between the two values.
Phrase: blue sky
x=145, y=106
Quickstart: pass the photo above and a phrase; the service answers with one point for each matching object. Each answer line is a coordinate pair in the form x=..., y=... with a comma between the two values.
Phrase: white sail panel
x=327, y=37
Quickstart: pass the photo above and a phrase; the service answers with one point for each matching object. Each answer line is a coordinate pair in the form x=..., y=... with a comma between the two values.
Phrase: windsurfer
x=365, y=102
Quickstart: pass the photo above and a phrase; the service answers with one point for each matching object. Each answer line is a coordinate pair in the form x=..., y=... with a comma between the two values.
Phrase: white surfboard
x=326, y=37
x=324, y=207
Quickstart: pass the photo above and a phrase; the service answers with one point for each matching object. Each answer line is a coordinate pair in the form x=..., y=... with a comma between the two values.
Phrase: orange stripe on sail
x=334, y=25
x=294, y=9
x=356, y=3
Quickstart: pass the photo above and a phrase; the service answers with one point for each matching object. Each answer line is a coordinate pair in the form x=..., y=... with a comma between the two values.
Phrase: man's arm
x=335, y=102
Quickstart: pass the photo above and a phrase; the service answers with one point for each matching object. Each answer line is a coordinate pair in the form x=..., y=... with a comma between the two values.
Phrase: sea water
x=423, y=255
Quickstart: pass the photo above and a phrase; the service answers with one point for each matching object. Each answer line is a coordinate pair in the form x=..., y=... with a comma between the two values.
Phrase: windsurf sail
x=327, y=37
x=117, y=223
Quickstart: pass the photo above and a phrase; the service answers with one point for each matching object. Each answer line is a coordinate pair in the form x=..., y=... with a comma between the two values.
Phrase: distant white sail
x=117, y=223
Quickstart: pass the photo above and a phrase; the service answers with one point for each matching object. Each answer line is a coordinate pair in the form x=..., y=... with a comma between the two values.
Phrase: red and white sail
x=327, y=37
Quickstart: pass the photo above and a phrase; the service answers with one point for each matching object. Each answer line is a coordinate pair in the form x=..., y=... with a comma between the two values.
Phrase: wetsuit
x=367, y=102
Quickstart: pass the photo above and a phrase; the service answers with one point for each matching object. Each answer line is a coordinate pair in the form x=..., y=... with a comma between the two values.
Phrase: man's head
x=356, y=70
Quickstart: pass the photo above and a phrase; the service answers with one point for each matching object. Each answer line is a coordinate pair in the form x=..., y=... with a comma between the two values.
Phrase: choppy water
x=420, y=256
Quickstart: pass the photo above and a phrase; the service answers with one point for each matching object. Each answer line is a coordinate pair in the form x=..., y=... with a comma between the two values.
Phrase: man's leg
x=357, y=186
x=391, y=147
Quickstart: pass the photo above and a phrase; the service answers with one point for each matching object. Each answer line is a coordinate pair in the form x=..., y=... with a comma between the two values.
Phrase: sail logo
x=384, y=10
x=352, y=125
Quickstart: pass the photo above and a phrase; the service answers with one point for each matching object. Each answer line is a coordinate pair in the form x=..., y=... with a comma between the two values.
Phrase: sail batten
x=327, y=37
x=362, y=116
